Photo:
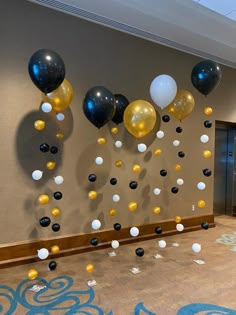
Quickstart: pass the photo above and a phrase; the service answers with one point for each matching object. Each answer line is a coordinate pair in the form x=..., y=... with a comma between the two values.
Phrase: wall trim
x=26, y=252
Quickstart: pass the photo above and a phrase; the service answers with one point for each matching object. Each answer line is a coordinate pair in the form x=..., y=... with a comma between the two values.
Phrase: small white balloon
x=37, y=174
x=46, y=107
x=162, y=244
x=58, y=180
x=43, y=253
x=99, y=160
x=60, y=116
x=116, y=198
x=118, y=144
x=142, y=147
x=180, y=181
x=201, y=186
x=204, y=138
x=160, y=134
x=179, y=227
x=96, y=224
x=156, y=191
x=134, y=231
x=115, y=244
x=176, y=143
x=196, y=248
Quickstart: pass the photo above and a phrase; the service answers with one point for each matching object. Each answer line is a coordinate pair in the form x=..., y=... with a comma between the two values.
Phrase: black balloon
x=44, y=147
x=99, y=106
x=92, y=178
x=181, y=154
x=46, y=70
x=45, y=221
x=52, y=265
x=207, y=123
x=158, y=230
x=133, y=184
x=179, y=129
x=94, y=241
x=174, y=190
x=206, y=76
x=121, y=103
x=139, y=251
x=56, y=227
x=113, y=181
x=205, y=225
x=57, y=195
x=163, y=172
x=166, y=118
x=117, y=226
x=206, y=172
x=54, y=150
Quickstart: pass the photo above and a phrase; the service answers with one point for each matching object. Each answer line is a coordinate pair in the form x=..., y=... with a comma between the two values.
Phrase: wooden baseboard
x=22, y=253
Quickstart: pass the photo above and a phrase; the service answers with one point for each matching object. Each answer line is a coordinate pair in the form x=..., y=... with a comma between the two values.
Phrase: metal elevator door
x=224, y=170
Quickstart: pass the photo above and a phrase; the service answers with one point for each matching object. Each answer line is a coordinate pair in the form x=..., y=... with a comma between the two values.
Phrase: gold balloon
x=50, y=165
x=157, y=152
x=119, y=163
x=39, y=124
x=139, y=118
x=201, y=204
x=206, y=154
x=101, y=140
x=60, y=136
x=177, y=167
x=208, y=110
x=92, y=194
x=182, y=105
x=55, y=249
x=114, y=130
x=132, y=206
x=43, y=199
x=156, y=210
x=112, y=212
x=178, y=219
x=89, y=268
x=32, y=274
x=60, y=98
x=55, y=212
x=136, y=168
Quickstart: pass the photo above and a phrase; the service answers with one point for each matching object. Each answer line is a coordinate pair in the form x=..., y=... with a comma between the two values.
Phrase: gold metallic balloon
x=201, y=204
x=60, y=136
x=55, y=249
x=132, y=206
x=101, y=140
x=55, y=212
x=43, y=199
x=92, y=194
x=177, y=167
x=139, y=118
x=207, y=154
x=178, y=219
x=89, y=268
x=114, y=130
x=119, y=163
x=156, y=210
x=157, y=152
x=136, y=168
x=60, y=98
x=32, y=274
x=39, y=124
x=182, y=105
x=208, y=110
x=112, y=212
x=50, y=165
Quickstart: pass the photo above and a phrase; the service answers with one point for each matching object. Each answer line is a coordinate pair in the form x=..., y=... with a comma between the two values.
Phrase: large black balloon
x=46, y=70
x=45, y=221
x=139, y=251
x=121, y=103
x=206, y=76
x=99, y=106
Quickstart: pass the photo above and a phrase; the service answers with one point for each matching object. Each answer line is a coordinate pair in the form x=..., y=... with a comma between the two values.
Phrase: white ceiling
x=200, y=27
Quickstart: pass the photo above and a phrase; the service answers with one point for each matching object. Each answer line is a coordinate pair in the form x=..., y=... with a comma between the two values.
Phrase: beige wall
x=95, y=55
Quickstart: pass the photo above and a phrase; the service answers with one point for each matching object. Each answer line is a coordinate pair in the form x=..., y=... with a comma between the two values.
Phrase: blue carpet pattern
x=59, y=296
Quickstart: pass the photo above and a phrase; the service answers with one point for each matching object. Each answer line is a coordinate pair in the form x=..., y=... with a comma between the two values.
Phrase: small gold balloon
x=92, y=194
x=43, y=199
x=132, y=206
x=136, y=168
x=208, y=110
x=112, y=212
x=55, y=212
x=157, y=152
x=32, y=274
x=201, y=204
x=114, y=130
x=207, y=154
x=60, y=136
x=178, y=219
x=50, y=165
x=55, y=249
x=39, y=124
x=119, y=163
x=156, y=210
x=89, y=268
x=177, y=167
x=101, y=140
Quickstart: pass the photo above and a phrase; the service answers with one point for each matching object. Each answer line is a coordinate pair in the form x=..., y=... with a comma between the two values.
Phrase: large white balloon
x=58, y=180
x=134, y=231
x=96, y=224
x=37, y=174
x=162, y=244
x=115, y=244
x=142, y=147
x=43, y=253
x=196, y=248
x=163, y=90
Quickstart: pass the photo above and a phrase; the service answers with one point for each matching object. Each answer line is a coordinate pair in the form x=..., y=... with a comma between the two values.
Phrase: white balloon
x=99, y=160
x=115, y=244
x=163, y=90
x=46, y=107
x=116, y=198
x=142, y=147
x=201, y=186
x=37, y=174
x=176, y=143
x=58, y=180
x=60, y=116
x=96, y=224
x=196, y=248
x=204, y=138
x=43, y=253
x=180, y=181
x=134, y=231
x=156, y=191
x=160, y=134
x=162, y=244
x=179, y=227
x=118, y=144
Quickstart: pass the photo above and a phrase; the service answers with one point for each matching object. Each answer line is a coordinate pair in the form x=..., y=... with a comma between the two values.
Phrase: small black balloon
x=45, y=221
x=158, y=230
x=56, y=227
x=205, y=225
x=179, y=129
x=139, y=251
x=52, y=265
x=174, y=190
x=44, y=147
x=133, y=184
x=94, y=241
x=113, y=181
x=57, y=195
x=206, y=172
x=54, y=150
x=163, y=172
x=181, y=154
x=207, y=123
x=92, y=178
x=166, y=118
x=117, y=226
